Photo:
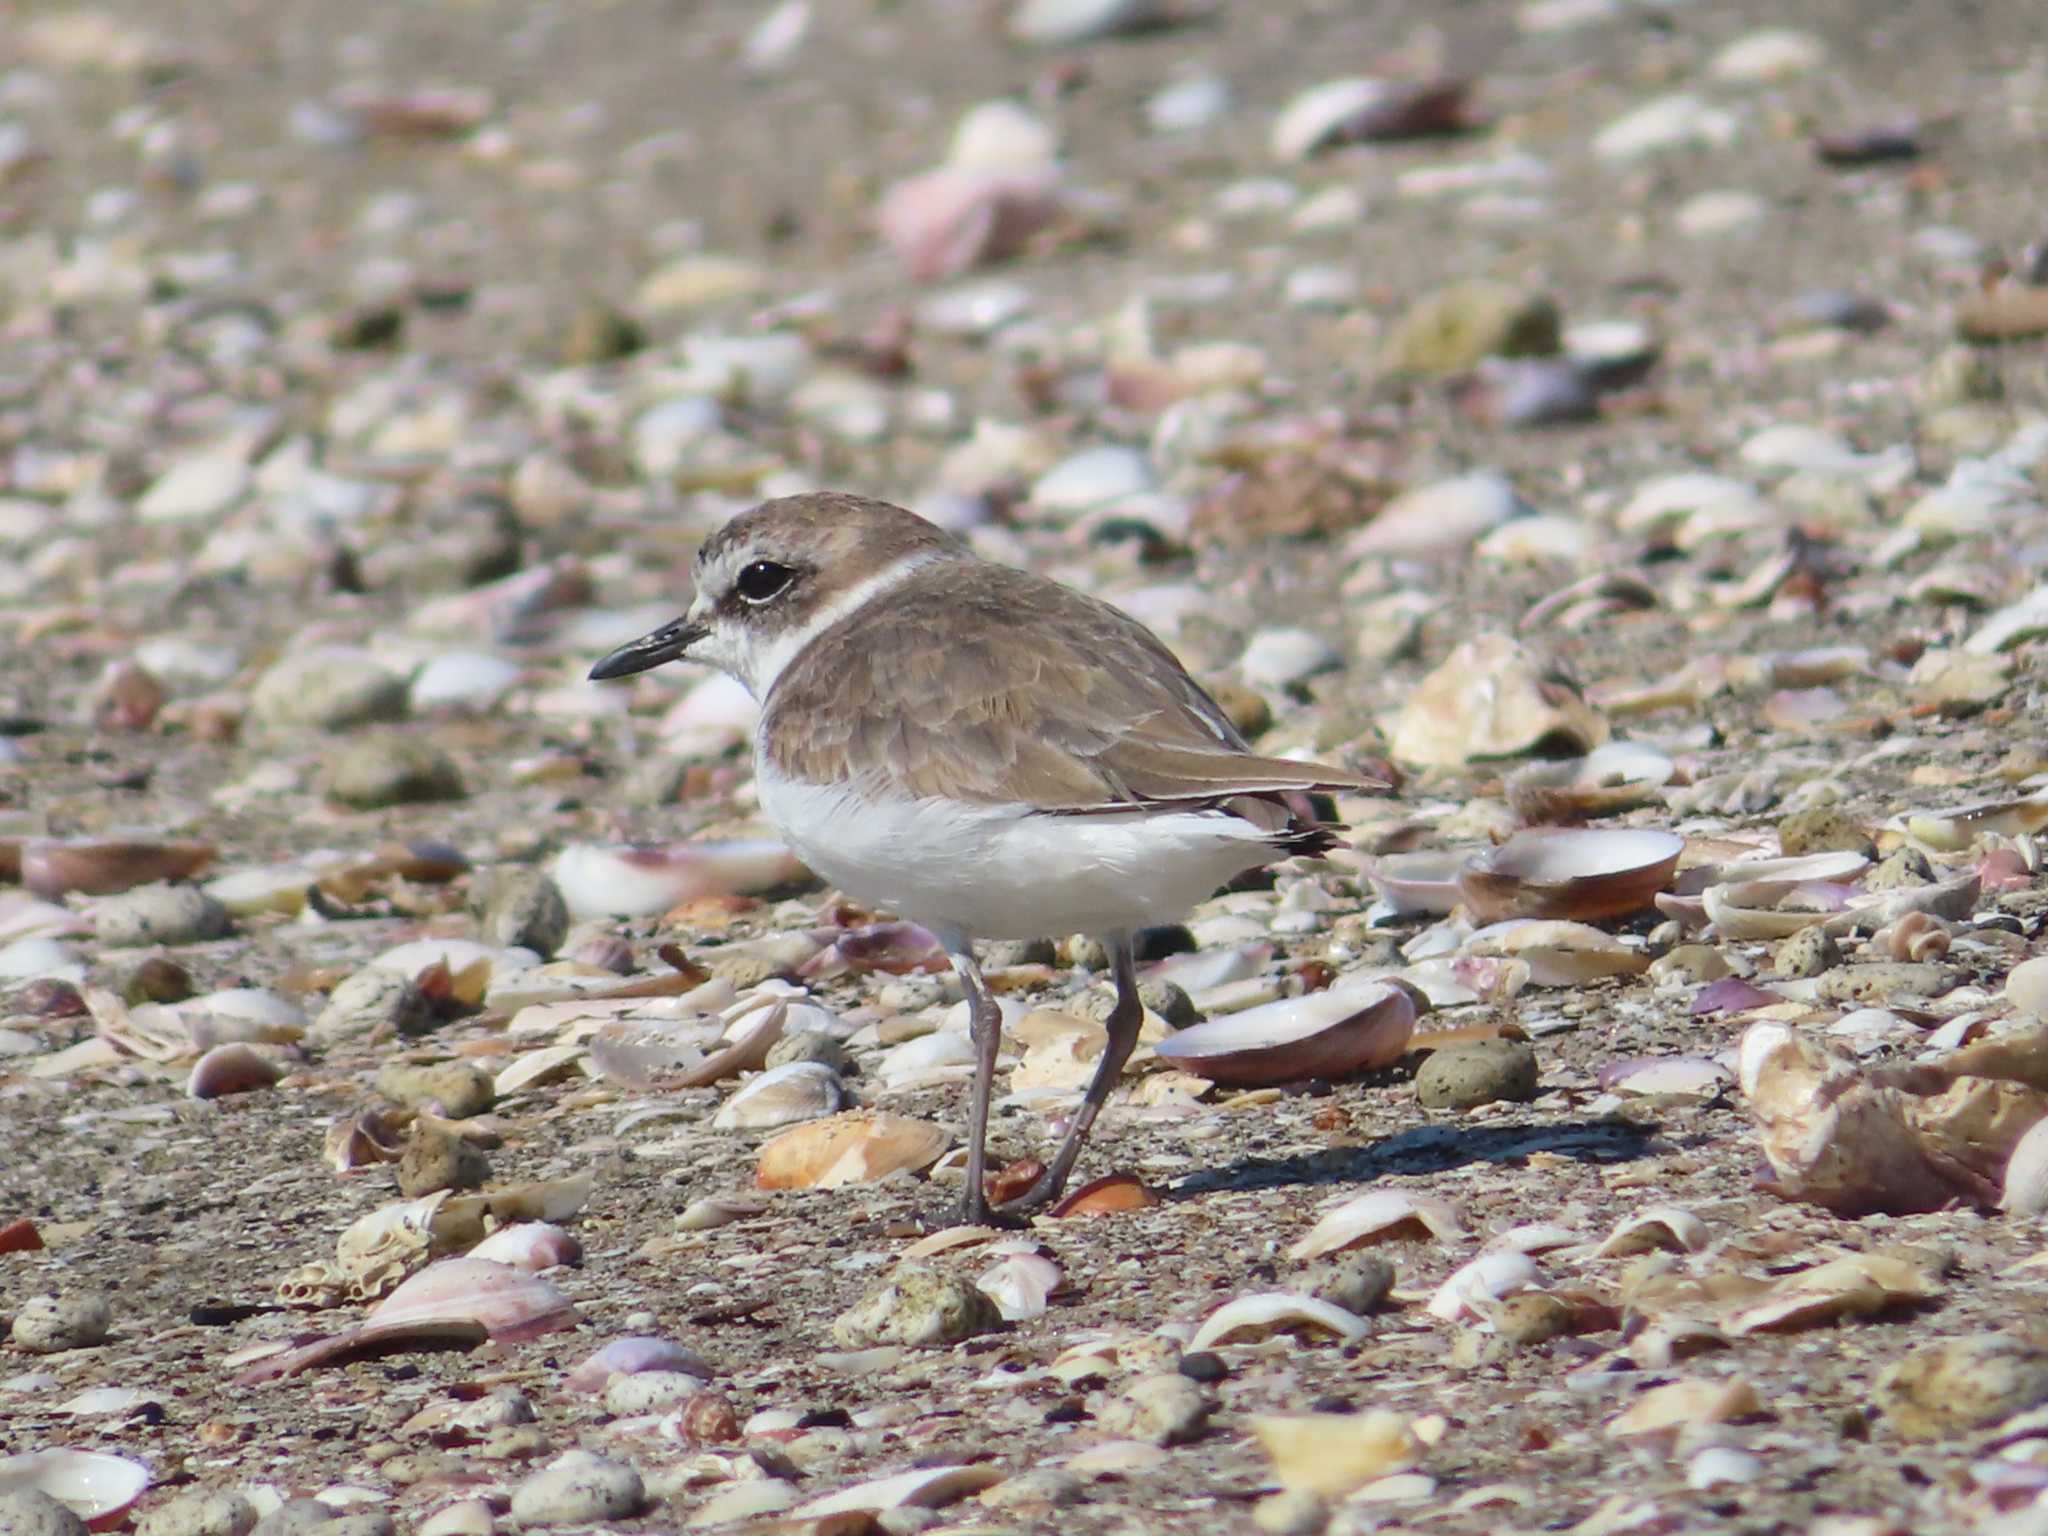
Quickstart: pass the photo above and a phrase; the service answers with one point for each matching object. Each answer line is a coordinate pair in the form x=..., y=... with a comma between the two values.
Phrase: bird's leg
x=1123, y=1024
x=985, y=1018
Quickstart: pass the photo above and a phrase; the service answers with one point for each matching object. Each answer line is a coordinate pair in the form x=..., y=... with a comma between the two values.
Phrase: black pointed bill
x=667, y=643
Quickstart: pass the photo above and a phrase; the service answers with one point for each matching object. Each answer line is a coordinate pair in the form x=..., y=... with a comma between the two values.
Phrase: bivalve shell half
x=1350, y=1028
x=784, y=1095
x=1420, y=882
x=922, y=1488
x=856, y=1147
x=1378, y=1216
x=1571, y=873
x=2026, y=1175
x=1271, y=1312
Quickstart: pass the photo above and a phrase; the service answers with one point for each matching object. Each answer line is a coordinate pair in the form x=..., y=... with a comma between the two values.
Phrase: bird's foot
x=1035, y=1199
x=976, y=1211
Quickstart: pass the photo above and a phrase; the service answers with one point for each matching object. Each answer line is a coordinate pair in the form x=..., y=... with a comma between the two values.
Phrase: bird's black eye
x=762, y=580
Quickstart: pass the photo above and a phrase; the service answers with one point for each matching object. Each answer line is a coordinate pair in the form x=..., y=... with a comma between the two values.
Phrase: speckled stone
x=1809, y=952
x=577, y=1488
x=459, y=1088
x=159, y=914
x=31, y=1512
x=917, y=1306
x=369, y=1000
x=1823, y=829
x=50, y=1325
x=1481, y=1072
x=389, y=770
x=205, y=1512
x=434, y=1160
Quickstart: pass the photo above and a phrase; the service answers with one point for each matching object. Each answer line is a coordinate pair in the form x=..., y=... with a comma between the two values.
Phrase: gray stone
x=1809, y=952
x=1167, y=1409
x=204, y=1512
x=522, y=908
x=434, y=1160
x=31, y=1512
x=1481, y=1072
x=1052, y=1486
x=370, y=1000
x=917, y=1306
x=295, y=1517
x=331, y=689
x=1357, y=1282
x=576, y=1488
x=813, y=1046
x=388, y=770
x=159, y=914
x=49, y=1325
x=460, y=1089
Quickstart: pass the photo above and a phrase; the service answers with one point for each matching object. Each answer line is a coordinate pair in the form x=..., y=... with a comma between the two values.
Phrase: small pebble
x=329, y=689
x=1291, y=1512
x=918, y=1307
x=523, y=909
x=296, y=1517
x=32, y=1512
x=389, y=770
x=1809, y=952
x=1823, y=829
x=369, y=1000
x=159, y=914
x=578, y=1488
x=201, y=1512
x=1357, y=1282
x=460, y=1089
x=49, y=1325
x=1167, y=1409
x=1481, y=1072
x=435, y=1160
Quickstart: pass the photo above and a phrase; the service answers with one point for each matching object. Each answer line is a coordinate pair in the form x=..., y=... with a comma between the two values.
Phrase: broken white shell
x=1380, y=1215
x=1349, y=1028
x=1465, y=1295
x=1020, y=1282
x=1273, y=1312
x=922, y=1488
x=1662, y=1226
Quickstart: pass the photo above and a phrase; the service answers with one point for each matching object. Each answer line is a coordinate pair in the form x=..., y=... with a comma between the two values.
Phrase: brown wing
x=994, y=686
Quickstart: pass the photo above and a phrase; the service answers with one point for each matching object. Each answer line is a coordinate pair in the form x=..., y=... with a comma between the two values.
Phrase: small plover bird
x=982, y=751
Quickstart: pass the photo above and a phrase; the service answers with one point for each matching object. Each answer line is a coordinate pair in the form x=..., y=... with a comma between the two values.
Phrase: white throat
x=759, y=663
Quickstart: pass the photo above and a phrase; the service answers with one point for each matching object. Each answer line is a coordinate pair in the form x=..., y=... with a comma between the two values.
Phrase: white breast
x=1003, y=872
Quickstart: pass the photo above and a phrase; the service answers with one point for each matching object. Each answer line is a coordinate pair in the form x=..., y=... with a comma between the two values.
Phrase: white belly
x=1003, y=873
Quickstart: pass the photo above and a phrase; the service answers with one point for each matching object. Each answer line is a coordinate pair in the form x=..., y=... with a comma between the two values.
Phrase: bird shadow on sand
x=1426, y=1149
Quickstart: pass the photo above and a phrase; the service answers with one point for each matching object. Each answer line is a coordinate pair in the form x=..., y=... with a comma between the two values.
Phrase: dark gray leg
x=1123, y=1024
x=986, y=1021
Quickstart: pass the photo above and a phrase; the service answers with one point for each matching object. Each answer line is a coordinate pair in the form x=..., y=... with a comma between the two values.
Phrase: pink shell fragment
x=949, y=220
x=628, y=1356
x=1731, y=994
